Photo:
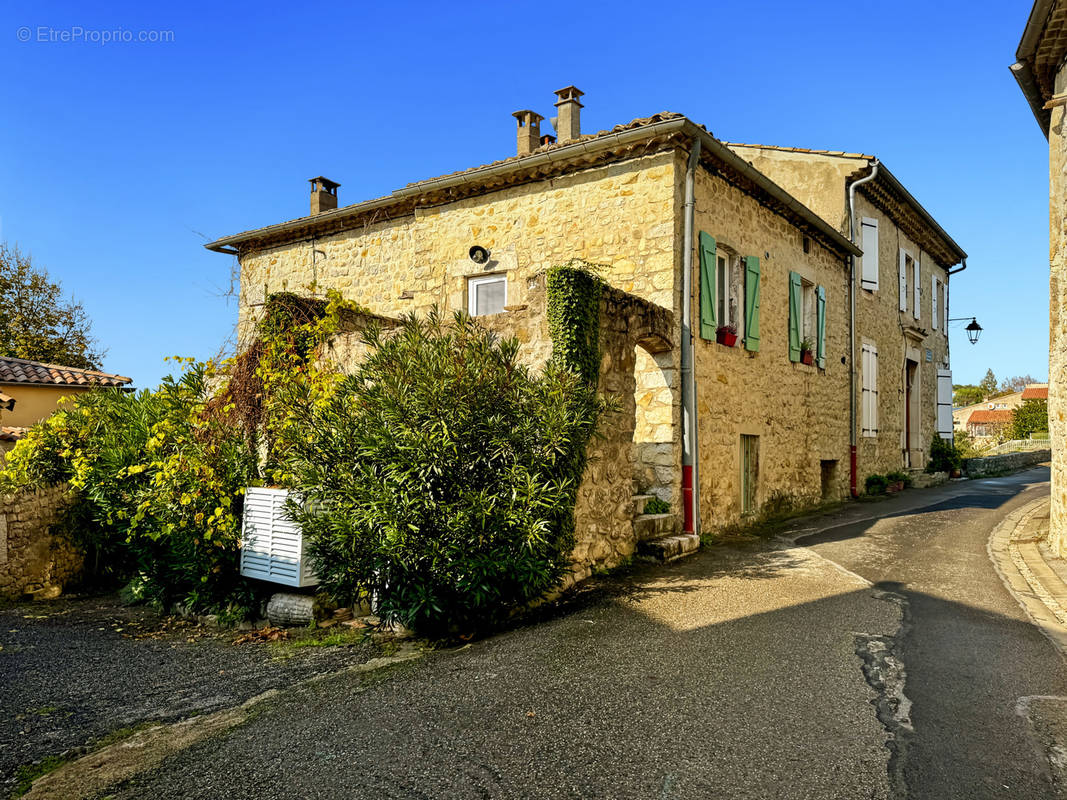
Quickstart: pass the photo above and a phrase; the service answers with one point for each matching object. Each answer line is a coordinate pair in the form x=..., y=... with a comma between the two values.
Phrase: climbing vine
x=574, y=290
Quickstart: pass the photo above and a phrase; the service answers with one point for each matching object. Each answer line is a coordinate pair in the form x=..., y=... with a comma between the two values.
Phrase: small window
x=749, y=473
x=729, y=280
x=487, y=295
x=809, y=313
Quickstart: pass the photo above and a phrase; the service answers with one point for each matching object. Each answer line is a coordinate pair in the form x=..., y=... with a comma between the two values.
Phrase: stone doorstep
x=653, y=526
x=669, y=548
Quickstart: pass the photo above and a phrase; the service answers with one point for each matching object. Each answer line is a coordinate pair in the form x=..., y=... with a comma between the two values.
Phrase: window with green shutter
x=820, y=327
x=796, y=315
x=752, y=303
x=707, y=286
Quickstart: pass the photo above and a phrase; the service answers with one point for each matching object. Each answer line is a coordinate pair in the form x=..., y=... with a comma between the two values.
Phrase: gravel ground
x=73, y=670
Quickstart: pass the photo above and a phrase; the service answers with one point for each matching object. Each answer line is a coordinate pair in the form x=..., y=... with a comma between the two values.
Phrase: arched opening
x=654, y=462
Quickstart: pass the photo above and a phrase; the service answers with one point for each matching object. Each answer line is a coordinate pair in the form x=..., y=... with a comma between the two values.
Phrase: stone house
x=903, y=386
x=753, y=369
x=992, y=423
x=1041, y=72
x=31, y=390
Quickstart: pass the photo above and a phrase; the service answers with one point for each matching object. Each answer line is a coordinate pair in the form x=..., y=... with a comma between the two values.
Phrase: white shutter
x=903, y=281
x=916, y=300
x=874, y=390
x=272, y=548
x=869, y=271
x=933, y=301
x=944, y=403
x=945, y=315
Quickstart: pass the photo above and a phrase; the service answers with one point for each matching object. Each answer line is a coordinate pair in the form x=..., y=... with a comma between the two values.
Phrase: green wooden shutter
x=707, y=286
x=752, y=303
x=795, y=312
x=820, y=343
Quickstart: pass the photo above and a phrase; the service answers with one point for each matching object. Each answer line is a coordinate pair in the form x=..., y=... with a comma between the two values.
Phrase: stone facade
x=1057, y=367
x=911, y=347
x=1041, y=72
x=33, y=560
x=411, y=252
x=795, y=410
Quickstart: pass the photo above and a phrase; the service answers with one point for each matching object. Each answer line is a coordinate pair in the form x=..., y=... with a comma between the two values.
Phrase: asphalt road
x=880, y=658
x=986, y=687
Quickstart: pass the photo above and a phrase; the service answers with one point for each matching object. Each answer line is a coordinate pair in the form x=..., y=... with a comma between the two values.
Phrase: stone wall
x=799, y=412
x=1057, y=367
x=621, y=215
x=32, y=559
x=1009, y=462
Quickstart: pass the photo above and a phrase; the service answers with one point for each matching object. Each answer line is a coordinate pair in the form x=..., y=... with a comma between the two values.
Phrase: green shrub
x=897, y=476
x=943, y=456
x=876, y=484
x=441, y=478
x=655, y=505
x=158, y=487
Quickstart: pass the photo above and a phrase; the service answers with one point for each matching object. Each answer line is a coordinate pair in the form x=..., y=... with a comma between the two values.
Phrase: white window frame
x=904, y=256
x=917, y=288
x=730, y=294
x=472, y=292
x=869, y=259
x=869, y=390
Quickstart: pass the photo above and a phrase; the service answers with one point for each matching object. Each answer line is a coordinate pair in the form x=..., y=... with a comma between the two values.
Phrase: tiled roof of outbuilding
x=21, y=370
x=1035, y=392
x=1003, y=415
x=11, y=433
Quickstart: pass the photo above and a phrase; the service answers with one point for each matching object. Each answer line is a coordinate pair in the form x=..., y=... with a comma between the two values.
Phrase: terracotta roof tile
x=21, y=370
x=1035, y=392
x=1002, y=415
x=838, y=153
x=11, y=433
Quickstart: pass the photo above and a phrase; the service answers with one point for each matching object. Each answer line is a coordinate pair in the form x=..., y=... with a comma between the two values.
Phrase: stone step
x=669, y=548
x=639, y=501
x=653, y=526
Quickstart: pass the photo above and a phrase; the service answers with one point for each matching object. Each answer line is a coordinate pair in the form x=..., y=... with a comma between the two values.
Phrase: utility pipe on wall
x=690, y=459
x=852, y=330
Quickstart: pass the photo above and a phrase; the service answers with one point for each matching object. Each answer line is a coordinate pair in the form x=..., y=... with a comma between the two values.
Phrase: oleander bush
x=441, y=478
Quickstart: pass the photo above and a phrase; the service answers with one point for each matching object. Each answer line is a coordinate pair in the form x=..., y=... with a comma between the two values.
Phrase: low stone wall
x=992, y=465
x=33, y=560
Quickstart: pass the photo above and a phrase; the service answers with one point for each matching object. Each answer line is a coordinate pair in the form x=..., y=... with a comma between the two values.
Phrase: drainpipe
x=852, y=331
x=690, y=461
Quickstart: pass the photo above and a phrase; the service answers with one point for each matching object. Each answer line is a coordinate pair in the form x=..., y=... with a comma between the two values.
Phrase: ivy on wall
x=574, y=290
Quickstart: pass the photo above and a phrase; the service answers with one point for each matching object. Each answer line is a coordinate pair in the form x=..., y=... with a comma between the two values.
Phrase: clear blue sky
x=119, y=158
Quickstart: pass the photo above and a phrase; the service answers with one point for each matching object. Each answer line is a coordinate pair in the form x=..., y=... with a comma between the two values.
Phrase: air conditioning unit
x=272, y=547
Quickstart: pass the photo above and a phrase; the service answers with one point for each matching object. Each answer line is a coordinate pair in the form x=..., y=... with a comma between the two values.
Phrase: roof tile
x=21, y=370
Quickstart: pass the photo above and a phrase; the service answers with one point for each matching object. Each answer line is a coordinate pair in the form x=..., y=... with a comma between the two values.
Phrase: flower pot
x=807, y=357
x=896, y=486
x=955, y=473
x=726, y=338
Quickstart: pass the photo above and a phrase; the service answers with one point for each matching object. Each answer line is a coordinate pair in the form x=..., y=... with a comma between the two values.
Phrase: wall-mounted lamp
x=974, y=330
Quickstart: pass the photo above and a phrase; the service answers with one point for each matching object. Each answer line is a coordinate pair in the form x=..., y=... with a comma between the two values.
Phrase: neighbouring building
x=31, y=390
x=1041, y=73
x=1032, y=391
x=992, y=423
x=903, y=385
x=665, y=206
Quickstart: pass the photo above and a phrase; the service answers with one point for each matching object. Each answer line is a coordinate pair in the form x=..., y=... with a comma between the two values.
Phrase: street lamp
x=974, y=330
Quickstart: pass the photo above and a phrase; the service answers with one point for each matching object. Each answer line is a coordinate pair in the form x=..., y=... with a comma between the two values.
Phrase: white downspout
x=852, y=329
x=690, y=460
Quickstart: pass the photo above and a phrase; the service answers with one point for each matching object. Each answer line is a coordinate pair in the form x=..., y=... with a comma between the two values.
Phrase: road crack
x=883, y=669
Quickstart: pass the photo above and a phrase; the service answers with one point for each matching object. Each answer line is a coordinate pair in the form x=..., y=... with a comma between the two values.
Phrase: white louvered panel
x=273, y=548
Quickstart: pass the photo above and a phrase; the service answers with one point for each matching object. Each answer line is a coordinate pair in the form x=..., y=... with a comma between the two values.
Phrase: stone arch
x=653, y=447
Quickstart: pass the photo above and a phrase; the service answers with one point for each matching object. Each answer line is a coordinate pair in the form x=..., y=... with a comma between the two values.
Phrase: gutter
x=690, y=449
x=852, y=330
x=681, y=125
x=1024, y=54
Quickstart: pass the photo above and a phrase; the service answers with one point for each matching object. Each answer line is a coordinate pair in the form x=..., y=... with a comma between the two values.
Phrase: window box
x=727, y=335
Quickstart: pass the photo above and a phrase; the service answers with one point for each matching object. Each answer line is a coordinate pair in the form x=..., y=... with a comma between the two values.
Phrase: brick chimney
x=323, y=195
x=568, y=126
x=529, y=138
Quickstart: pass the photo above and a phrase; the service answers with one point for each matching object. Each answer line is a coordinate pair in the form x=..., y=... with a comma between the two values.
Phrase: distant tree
x=966, y=394
x=36, y=321
x=988, y=384
x=1031, y=417
x=1016, y=384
